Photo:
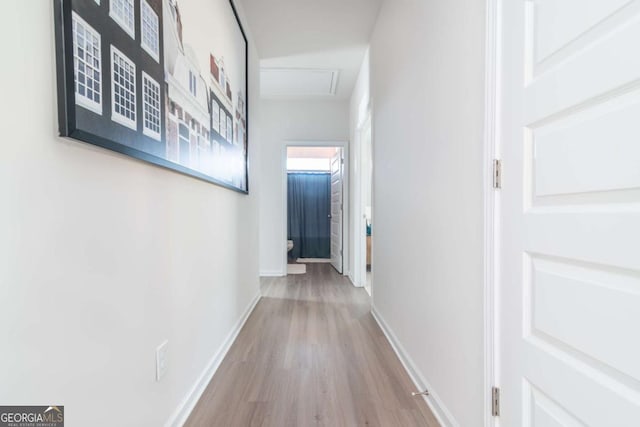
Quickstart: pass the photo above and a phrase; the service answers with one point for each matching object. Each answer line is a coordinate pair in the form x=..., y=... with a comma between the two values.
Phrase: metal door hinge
x=495, y=401
x=497, y=173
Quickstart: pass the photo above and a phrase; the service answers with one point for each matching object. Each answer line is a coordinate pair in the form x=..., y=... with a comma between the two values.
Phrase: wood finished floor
x=311, y=354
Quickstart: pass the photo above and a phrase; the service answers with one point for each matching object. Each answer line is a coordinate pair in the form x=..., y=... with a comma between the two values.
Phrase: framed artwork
x=164, y=81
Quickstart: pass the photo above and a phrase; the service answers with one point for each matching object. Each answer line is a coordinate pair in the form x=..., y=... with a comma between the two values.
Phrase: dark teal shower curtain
x=308, y=211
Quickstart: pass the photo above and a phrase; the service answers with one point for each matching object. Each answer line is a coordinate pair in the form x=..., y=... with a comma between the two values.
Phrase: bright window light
x=302, y=164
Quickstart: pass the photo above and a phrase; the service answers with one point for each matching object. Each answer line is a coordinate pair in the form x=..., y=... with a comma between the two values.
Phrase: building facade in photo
x=187, y=112
x=205, y=128
x=119, y=73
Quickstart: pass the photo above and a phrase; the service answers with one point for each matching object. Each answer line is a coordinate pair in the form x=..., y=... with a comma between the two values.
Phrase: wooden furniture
x=368, y=251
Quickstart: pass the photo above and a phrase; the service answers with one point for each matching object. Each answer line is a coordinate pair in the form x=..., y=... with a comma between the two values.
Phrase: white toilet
x=295, y=268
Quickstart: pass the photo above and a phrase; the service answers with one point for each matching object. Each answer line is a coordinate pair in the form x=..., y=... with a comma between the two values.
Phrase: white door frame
x=337, y=222
x=491, y=206
x=356, y=211
x=359, y=268
x=346, y=267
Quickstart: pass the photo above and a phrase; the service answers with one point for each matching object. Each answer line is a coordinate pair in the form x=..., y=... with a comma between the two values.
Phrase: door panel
x=336, y=211
x=595, y=150
x=545, y=412
x=558, y=23
x=586, y=75
x=570, y=214
x=598, y=324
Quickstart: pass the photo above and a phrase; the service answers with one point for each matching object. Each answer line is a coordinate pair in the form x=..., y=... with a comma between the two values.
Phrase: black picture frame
x=75, y=122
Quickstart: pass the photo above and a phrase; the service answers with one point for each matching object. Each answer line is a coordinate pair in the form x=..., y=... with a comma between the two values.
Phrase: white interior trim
x=314, y=260
x=442, y=414
x=359, y=269
x=356, y=150
x=273, y=273
x=353, y=282
x=346, y=268
x=491, y=199
x=182, y=412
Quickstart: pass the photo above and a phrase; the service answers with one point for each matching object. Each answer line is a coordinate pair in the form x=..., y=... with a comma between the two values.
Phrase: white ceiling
x=302, y=37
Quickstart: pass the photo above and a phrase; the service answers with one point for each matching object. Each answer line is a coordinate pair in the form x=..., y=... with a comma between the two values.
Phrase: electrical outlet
x=161, y=360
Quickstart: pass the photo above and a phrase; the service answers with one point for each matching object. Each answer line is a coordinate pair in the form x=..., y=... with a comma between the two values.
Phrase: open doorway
x=314, y=198
x=363, y=215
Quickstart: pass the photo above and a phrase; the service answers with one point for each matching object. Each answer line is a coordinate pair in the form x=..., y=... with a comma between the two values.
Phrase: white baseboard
x=353, y=282
x=179, y=417
x=278, y=273
x=435, y=403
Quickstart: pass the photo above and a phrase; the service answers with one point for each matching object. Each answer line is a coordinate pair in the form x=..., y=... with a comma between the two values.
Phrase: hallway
x=481, y=156
x=311, y=354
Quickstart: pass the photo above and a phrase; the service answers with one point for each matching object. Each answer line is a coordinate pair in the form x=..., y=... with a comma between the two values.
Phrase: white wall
x=427, y=83
x=283, y=121
x=102, y=257
x=359, y=105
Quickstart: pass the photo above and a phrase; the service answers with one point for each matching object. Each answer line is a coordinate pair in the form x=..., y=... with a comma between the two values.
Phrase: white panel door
x=569, y=293
x=336, y=211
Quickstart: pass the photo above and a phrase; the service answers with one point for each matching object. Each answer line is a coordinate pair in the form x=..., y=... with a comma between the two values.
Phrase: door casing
x=358, y=235
x=337, y=169
x=491, y=196
x=345, y=212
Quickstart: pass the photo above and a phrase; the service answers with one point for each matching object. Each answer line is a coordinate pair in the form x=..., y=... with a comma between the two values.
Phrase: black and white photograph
x=159, y=80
